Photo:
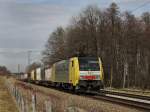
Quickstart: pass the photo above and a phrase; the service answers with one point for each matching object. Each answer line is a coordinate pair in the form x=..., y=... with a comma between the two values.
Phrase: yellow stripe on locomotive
x=80, y=72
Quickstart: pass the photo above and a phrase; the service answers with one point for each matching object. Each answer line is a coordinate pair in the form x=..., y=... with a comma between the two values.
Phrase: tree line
x=4, y=71
x=121, y=39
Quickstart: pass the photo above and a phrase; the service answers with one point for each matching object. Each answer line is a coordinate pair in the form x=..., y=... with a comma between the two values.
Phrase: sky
x=26, y=24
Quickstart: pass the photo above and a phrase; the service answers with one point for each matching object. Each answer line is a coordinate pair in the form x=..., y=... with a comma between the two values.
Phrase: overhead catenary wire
x=144, y=4
x=32, y=54
x=14, y=50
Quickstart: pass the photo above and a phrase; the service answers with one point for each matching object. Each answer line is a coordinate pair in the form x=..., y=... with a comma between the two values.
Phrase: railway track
x=130, y=100
x=127, y=94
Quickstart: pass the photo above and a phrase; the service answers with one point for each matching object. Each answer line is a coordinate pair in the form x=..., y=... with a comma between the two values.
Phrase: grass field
x=60, y=101
x=7, y=103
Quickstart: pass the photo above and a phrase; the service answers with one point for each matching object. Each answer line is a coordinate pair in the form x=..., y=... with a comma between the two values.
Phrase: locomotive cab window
x=89, y=64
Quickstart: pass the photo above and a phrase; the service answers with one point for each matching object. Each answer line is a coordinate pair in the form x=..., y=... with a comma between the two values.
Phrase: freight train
x=76, y=73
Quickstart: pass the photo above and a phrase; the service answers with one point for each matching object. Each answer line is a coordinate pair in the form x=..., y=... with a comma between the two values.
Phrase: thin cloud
x=26, y=24
x=129, y=1
x=34, y=13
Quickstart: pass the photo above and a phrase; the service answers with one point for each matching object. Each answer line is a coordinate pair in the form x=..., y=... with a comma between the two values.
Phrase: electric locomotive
x=76, y=73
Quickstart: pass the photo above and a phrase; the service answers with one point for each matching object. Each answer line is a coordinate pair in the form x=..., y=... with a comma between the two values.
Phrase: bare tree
x=4, y=70
x=120, y=39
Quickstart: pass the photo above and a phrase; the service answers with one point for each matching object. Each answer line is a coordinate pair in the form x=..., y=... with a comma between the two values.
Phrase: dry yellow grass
x=65, y=102
x=81, y=103
x=6, y=102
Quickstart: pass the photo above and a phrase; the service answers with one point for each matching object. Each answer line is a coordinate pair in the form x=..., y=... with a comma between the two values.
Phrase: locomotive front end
x=90, y=73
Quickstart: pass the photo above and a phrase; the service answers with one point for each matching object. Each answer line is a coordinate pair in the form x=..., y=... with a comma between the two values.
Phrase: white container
x=48, y=74
x=32, y=75
x=25, y=76
x=38, y=74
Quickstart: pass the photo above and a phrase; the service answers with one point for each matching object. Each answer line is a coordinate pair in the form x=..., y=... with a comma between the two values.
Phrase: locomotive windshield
x=89, y=64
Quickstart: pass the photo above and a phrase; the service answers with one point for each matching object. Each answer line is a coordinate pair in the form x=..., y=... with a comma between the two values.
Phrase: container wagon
x=77, y=73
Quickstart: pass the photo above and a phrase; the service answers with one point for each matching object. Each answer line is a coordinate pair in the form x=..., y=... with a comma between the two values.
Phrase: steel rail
x=129, y=103
x=142, y=97
x=103, y=95
x=144, y=106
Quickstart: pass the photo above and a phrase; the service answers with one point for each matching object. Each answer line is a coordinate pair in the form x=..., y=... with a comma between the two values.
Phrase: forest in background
x=121, y=39
x=4, y=71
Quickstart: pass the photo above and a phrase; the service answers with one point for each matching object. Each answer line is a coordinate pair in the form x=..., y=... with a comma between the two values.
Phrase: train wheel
x=75, y=89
